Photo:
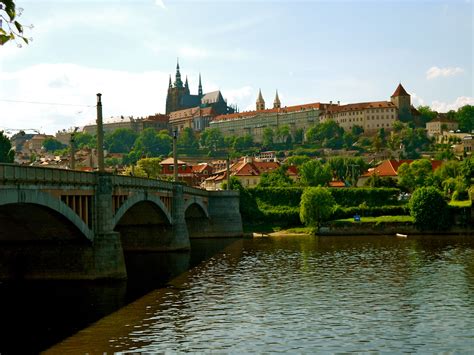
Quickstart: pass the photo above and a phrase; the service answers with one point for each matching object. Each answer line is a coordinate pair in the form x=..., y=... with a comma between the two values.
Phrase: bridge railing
x=138, y=182
x=11, y=173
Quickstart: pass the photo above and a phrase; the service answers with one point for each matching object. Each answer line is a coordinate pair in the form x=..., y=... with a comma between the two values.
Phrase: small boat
x=400, y=235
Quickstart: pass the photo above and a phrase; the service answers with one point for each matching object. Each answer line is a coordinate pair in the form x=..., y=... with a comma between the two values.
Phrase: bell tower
x=260, y=101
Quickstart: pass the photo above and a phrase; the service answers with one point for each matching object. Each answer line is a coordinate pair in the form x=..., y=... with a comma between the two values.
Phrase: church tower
x=276, y=102
x=176, y=92
x=260, y=101
x=402, y=100
x=200, y=86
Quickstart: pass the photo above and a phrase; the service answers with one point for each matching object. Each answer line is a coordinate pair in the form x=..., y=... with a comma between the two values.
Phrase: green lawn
x=379, y=219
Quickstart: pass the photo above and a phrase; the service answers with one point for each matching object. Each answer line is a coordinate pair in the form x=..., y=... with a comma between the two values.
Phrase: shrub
x=317, y=205
x=429, y=209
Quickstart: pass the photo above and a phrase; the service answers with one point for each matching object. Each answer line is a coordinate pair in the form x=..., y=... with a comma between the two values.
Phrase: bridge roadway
x=63, y=224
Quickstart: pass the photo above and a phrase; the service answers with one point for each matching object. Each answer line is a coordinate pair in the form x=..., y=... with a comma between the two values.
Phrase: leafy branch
x=13, y=29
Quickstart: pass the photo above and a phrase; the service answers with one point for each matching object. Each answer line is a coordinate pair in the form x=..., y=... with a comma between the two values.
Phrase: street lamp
x=175, y=155
x=100, y=135
x=72, y=142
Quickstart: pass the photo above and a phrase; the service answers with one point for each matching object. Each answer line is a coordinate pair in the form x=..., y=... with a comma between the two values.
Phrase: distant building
x=196, y=118
x=440, y=124
x=36, y=142
x=179, y=97
x=372, y=116
x=255, y=122
x=157, y=121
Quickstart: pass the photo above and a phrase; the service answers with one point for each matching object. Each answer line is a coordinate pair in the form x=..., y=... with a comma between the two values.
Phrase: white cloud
x=459, y=102
x=416, y=100
x=123, y=93
x=436, y=72
x=160, y=3
x=223, y=54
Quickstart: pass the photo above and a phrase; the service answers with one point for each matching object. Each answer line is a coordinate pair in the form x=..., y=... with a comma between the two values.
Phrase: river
x=270, y=294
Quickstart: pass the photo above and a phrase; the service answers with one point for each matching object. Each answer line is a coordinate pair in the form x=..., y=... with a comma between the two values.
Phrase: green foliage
x=347, y=169
x=120, y=141
x=268, y=137
x=212, y=140
x=317, y=205
x=465, y=118
x=426, y=114
x=381, y=181
x=151, y=144
x=187, y=141
x=276, y=178
x=297, y=160
x=417, y=174
x=369, y=196
x=84, y=140
x=372, y=211
x=429, y=209
x=7, y=154
x=151, y=167
x=113, y=162
x=357, y=130
x=14, y=29
x=314, y=173
x=327, y=135
x=51, y=145
x=299, y=136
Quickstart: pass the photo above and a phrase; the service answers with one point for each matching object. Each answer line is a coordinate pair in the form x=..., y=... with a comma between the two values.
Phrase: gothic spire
x=200, y=86
x=260, y=101
x=276, y=102
x=186, y=85
x=178, y=82
x=170, y=85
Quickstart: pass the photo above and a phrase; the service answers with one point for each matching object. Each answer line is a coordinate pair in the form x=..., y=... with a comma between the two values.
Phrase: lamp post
x=100, y=135
x=72, y=142
x=175, y=155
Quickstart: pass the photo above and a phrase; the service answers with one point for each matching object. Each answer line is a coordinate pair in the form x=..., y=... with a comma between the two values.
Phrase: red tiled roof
x=158, y=117
x=390, y=167
x=400, y=91
x=170, y=161
x=336, y=184
x=360, y=106
x=191, y=112
x=200, y=167
x=312, y=106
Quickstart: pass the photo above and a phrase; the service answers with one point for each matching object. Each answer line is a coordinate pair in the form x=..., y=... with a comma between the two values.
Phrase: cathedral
x=180, y=98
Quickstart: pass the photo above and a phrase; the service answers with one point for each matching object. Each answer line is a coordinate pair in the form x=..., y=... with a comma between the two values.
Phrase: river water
x=276, y=294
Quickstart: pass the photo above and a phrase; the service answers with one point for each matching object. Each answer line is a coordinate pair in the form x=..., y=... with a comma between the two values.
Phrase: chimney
x=338, y=103
x=330, y=102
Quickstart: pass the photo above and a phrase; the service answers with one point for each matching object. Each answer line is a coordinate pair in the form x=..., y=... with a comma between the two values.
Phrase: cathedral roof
x=400, y=91
x=212, y=97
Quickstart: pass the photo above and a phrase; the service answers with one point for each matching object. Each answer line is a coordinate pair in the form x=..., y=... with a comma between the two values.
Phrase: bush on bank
x=429, y=209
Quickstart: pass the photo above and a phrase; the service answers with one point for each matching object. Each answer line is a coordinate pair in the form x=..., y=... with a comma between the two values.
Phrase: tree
x=276, y=178
x=299, y=136
x=429, y=209
x=282, y=133
x=327, y=135
x=51, y=145
x=121, y=140
x=7, y=154
x=212, y=140
x=297, y=160
x=357, y=130
x=14, y=29
x=316, y=206
x=314, y=173
x=415, y=175
x=426, y=114
x=465, y=118
x=187, y=140
x=152, y=144
x=268, y=137
x=151, y=167
x=84, y=140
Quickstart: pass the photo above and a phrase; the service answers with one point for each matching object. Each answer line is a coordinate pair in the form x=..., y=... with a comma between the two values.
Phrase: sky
x=310, y=51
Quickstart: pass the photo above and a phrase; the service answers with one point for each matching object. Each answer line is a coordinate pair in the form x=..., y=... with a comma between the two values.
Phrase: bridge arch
x=39, y=198
x=198, y=202
x=137, y=198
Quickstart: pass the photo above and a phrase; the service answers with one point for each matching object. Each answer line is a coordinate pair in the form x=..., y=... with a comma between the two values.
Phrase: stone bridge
x=63, y=224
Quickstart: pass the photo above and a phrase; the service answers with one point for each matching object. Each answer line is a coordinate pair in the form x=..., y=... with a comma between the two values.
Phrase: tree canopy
x=14, y=29
x=6, y=152
x=316, y=206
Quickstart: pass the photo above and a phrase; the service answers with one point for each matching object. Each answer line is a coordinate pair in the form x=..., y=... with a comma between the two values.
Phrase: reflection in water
x=305, y=294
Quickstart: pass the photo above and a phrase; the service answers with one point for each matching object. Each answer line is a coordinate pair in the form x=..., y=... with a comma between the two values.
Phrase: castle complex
x=193, y=111
x=371, y=116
